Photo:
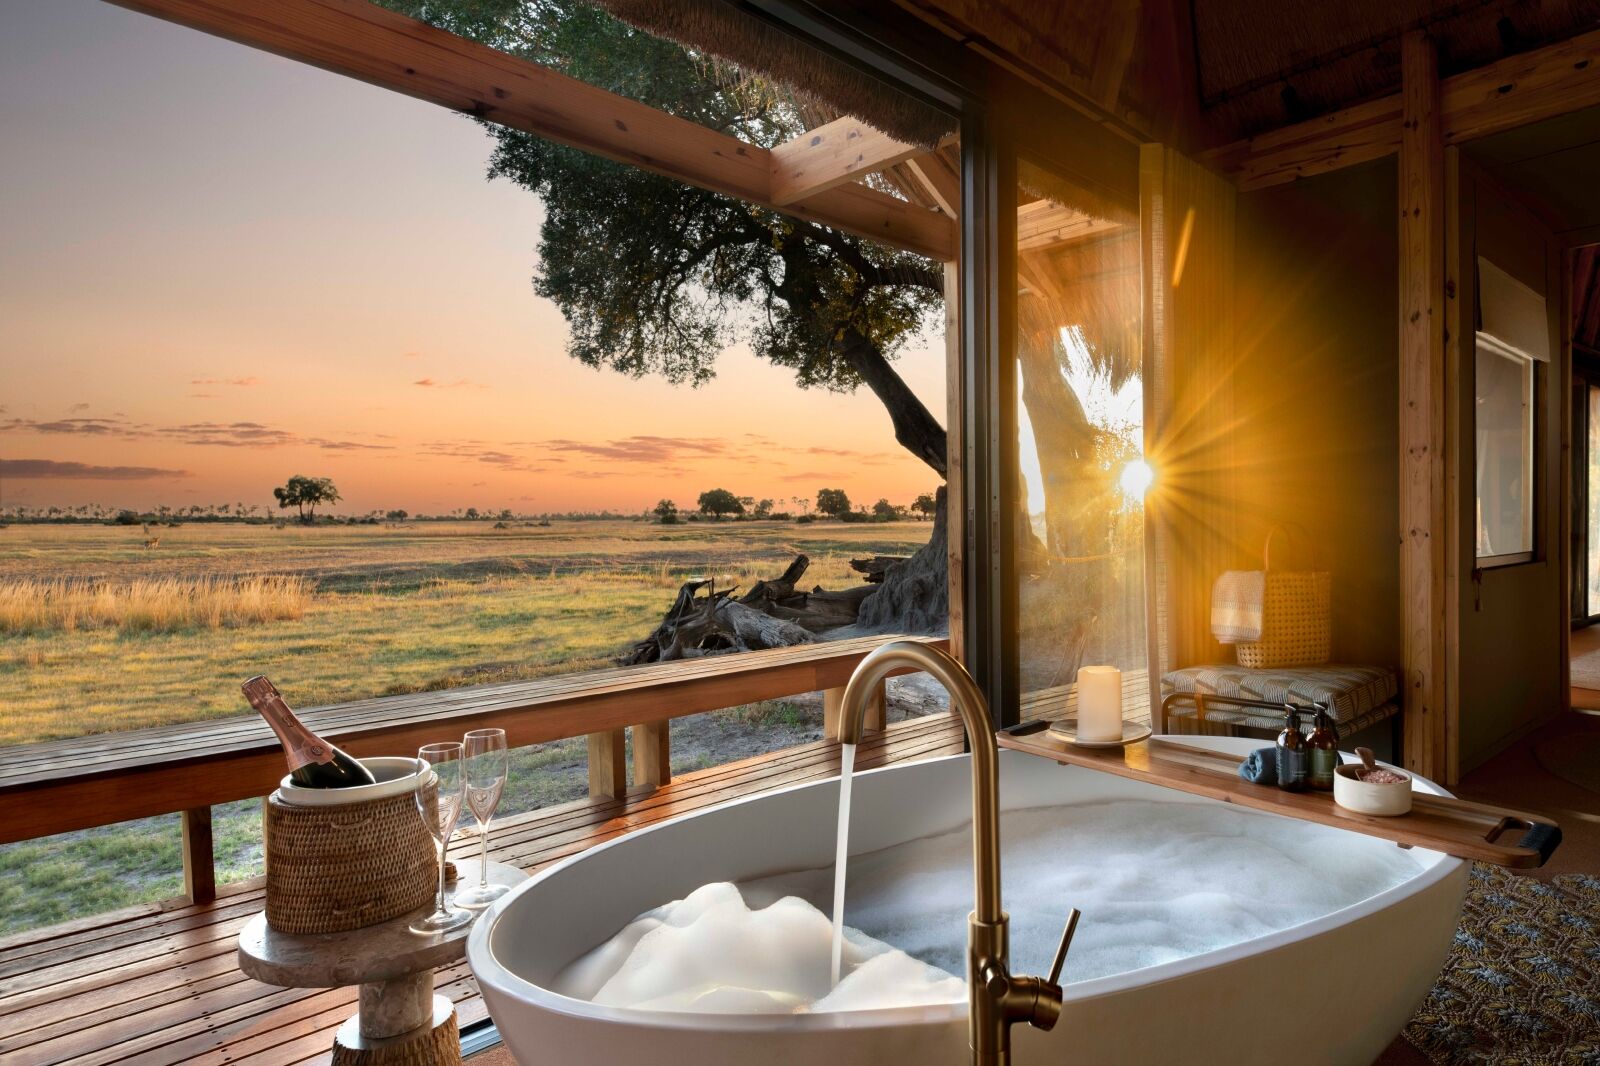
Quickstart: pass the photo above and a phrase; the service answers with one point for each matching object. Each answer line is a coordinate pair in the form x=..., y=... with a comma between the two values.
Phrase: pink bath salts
x=1382, y=777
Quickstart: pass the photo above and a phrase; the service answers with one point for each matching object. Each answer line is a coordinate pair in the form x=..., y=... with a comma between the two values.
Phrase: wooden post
x=1424, y=529
x=608, y=764
x=199, y=867
x=955, y=506
x=876, y=718
x=652, y=753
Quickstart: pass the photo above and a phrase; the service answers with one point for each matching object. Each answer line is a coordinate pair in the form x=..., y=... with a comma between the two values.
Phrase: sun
x=1136, y=479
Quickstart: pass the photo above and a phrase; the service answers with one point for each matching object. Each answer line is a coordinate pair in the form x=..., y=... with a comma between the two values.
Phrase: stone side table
x=399, y=1021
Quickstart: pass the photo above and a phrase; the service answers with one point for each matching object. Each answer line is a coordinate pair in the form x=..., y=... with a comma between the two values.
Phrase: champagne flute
x=487, y=763
x=449, y=767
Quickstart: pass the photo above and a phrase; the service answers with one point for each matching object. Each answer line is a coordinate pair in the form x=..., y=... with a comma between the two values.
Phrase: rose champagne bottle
x=313, y=762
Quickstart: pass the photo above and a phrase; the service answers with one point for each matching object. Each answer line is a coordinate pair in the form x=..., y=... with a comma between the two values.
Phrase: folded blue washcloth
x=1260, y=767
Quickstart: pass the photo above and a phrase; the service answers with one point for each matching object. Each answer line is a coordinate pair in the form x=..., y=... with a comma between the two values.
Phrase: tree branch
x=914, y=427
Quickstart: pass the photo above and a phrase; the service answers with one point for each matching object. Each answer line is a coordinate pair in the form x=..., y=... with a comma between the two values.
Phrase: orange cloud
x=21, y=469
x=214, y=434
x=241, y=382
x=459, y=383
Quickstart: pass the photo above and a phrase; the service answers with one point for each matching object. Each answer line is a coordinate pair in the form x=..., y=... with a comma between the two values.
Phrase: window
x=1079, y=436
x=1512, y=346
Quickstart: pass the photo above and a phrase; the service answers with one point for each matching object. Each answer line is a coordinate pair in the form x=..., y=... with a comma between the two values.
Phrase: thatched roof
x=718, y=29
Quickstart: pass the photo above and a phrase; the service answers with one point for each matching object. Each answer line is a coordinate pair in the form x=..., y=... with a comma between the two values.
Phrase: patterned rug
x=1522, y=985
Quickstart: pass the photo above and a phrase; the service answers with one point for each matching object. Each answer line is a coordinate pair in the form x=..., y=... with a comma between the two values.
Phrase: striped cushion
x=1257, y=718
x=1352, y=692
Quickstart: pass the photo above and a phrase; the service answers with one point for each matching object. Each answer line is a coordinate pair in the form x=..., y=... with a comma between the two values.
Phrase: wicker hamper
x=1297, y=618
x=335, y=868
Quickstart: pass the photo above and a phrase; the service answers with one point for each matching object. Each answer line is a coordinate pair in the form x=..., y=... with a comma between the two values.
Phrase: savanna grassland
x=374, y=610
x=100, y=633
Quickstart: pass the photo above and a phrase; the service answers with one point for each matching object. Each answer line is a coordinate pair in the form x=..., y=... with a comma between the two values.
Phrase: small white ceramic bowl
x=396, y=776
x=1387, y=799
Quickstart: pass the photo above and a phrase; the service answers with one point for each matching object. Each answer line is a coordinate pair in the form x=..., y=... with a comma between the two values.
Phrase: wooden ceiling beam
x=1045, y=224
x=361, y=40
x=1512, y=92
x=940, y=180
x=834, y=153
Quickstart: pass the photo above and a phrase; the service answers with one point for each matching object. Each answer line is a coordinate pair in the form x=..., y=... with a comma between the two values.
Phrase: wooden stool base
x=436, y=1044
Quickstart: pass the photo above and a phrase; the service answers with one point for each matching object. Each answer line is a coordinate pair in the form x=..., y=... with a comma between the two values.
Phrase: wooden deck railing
x=85, y=782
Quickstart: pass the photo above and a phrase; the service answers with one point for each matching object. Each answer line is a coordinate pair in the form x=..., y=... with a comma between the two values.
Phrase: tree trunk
x=1065, y=442
x=917, y=430
x=915, y=594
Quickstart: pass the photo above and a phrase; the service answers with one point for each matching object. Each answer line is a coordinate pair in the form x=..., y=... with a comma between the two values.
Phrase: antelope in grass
x=153, y=542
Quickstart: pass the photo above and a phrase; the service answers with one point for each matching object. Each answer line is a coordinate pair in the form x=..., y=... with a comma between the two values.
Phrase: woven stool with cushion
x=1357, y=696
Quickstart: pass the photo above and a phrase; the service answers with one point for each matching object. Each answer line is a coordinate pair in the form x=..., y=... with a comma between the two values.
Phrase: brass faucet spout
x=968, y=702
x=995, y=998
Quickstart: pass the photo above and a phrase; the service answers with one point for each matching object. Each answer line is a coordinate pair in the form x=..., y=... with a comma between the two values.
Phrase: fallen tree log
x=713, y=623
x=902, y=594
x=875, y=567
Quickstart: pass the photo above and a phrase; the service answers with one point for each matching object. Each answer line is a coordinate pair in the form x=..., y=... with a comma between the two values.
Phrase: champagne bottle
x=313, y=762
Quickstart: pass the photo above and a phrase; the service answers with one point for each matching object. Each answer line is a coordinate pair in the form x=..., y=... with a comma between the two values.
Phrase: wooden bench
x=65, y=785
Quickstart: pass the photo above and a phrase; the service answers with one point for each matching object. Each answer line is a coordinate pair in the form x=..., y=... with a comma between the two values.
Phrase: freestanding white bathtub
x=1335, y=989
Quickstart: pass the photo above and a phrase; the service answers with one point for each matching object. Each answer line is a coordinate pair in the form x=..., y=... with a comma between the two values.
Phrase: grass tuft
x=151, y=605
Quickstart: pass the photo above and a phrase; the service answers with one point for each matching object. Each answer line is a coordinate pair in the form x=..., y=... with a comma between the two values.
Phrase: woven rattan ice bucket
x=342, y=866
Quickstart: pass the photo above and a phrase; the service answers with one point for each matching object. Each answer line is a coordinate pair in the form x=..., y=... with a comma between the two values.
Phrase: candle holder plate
x=1067, y=729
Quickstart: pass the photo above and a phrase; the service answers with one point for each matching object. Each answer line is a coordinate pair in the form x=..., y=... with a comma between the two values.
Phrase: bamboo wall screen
x=1187, y=263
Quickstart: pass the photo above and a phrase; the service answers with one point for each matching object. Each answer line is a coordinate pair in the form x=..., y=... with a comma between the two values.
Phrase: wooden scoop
x=1369, y=762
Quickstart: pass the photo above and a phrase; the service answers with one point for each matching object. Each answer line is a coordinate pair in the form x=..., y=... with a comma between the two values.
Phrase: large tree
x=305, y=493
x=657, y=277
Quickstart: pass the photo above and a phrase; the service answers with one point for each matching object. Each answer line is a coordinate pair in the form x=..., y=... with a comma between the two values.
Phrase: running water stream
x=841, y=853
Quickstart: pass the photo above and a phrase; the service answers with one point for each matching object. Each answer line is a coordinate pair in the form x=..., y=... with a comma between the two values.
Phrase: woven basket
x=1297, y=618
x=335, y=868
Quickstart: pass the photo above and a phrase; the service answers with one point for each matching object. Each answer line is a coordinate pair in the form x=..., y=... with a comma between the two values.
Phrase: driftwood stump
x=904, y=594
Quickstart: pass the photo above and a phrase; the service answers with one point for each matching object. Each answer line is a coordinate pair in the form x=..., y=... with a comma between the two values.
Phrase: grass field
x=382, y=610
x=392, y=609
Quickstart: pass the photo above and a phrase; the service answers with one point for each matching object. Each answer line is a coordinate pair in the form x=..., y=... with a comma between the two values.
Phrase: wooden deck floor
x=159, y=984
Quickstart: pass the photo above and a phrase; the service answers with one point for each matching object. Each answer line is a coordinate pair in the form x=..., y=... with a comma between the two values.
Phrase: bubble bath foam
x=1156, y=881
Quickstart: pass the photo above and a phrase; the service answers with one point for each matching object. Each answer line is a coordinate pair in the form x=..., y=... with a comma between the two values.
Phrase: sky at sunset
x=219, y=268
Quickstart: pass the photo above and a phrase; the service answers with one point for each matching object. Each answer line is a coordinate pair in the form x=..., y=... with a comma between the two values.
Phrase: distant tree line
x=720, y=504
x=305, y=494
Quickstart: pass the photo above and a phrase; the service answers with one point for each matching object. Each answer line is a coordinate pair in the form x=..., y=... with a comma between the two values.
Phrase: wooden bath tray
x=1438, y=823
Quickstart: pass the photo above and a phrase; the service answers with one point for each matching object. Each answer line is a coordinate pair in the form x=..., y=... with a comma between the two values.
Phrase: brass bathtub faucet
x=995, y=999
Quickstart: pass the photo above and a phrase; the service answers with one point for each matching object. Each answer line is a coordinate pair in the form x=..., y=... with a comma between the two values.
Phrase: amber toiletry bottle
x=1294, y=754
x=1324, y=745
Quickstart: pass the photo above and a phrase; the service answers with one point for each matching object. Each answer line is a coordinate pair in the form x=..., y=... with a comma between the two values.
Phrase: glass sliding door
x=1078, y=439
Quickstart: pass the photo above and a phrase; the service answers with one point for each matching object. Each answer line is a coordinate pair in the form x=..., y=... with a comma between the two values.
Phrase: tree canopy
x=833, y=502
x=720, y=502
x=305, y=493
x=656, y=277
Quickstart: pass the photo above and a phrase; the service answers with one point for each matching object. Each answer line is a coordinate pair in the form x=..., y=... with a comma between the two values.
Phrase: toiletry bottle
x=1324, y=745
x=1294, y=756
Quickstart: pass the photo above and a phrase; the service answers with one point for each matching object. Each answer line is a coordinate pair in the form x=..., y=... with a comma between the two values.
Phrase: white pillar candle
x=1099, y=703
